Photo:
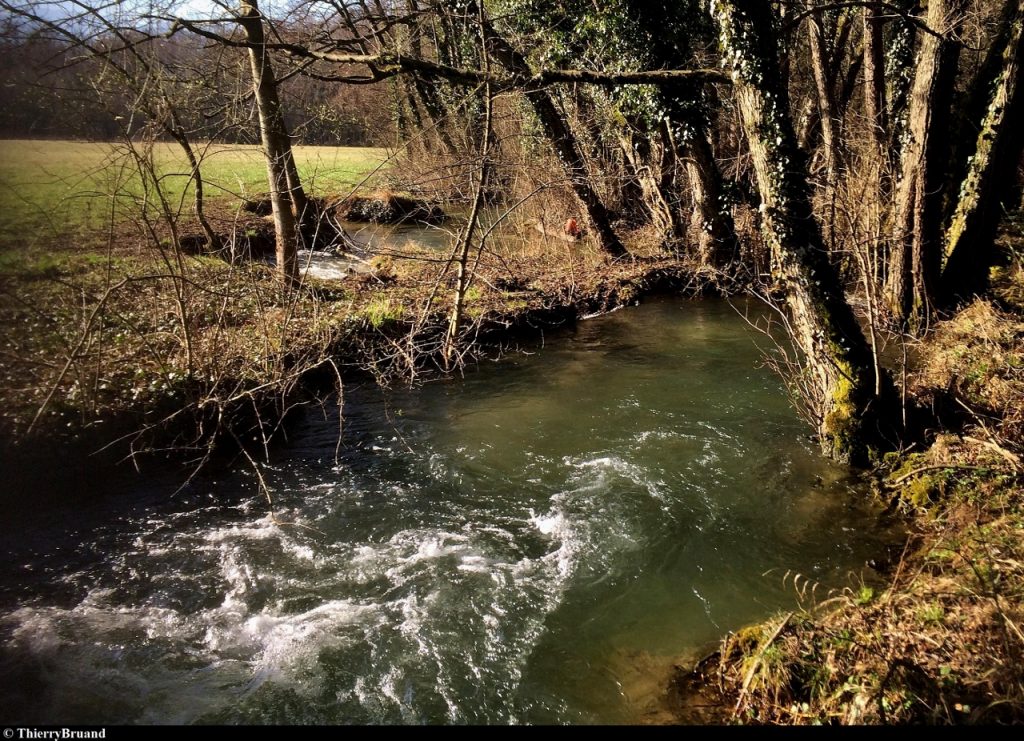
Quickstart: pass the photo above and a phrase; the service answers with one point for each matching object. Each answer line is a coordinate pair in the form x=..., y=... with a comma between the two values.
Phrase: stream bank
x=941, y=639
x=255, y=355
x=531, y=542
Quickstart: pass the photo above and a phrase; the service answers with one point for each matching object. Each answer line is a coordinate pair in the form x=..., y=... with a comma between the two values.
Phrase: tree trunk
x=916, y=255
x=276, y=143
x=971, y=108
x=684, y=132
x=825, y=89
x=559, y=134
x=664, y=218
x=304, y=212
x=826, y=74
x=427, y=90
x=874, y=76
x=198, y=201
x=837, y=382
x=717, y=243
x=809, y=122
x=989, y=184
x=899, y=77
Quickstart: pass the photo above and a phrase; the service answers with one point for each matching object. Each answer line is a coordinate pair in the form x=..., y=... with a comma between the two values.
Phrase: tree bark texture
x=664, y=218
x=899, y=77
x=717, y=243
x=825, y=89
x=874, y=77
x=916, y=240
x=838, y=378
x=972, y=105
x=989, y=184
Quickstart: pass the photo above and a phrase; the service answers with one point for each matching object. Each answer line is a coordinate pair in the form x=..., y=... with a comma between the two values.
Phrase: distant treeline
x=50, y=90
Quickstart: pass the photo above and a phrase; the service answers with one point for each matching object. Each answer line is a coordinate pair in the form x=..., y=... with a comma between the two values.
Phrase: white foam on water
x=446, y=611
x=606, y=468
x=263, y=529
x=282, y=643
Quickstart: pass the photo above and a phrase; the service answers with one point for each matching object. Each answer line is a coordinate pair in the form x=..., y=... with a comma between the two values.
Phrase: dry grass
x=119, y=328
x=977, y=358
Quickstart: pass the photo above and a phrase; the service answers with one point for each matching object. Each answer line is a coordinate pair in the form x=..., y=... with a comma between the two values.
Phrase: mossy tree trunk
x=971, y=106
x=899, y=39
x=916, y=239
x=838, y=384
x=989, y=184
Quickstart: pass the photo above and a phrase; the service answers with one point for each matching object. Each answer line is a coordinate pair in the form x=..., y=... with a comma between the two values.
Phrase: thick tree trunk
x=563, y=141
x=838, y=382
x=281, y=175
x=989, y=184
x=971, y=108
x=899, y=77
x=916, y=254
x=874, y=76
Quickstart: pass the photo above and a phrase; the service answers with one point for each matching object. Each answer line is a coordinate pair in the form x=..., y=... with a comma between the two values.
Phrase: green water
x=536, y=542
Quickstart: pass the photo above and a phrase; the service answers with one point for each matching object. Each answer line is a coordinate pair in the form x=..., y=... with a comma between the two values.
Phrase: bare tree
x=282, y=176
x=916, y=254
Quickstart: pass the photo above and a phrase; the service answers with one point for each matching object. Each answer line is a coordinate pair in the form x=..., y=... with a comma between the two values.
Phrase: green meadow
x=58, y=188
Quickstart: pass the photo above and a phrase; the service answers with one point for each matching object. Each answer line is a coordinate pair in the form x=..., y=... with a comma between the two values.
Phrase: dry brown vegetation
x=123, y=338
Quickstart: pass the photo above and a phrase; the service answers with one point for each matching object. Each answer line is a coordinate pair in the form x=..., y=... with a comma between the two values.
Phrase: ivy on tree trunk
x=839, y=382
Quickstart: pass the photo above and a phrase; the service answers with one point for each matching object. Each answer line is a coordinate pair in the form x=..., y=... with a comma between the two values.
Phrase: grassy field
x=53, y=188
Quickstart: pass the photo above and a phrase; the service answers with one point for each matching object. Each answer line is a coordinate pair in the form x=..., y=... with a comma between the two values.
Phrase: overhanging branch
x=385, y=65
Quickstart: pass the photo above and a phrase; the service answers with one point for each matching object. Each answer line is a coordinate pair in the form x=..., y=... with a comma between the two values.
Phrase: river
x=536, y=542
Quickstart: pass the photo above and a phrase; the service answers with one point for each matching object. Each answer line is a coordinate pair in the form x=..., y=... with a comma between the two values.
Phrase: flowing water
x=535, y=542
x=371, y=239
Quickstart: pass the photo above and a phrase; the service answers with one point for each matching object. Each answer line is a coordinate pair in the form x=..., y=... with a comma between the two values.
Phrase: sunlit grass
x=53, y=188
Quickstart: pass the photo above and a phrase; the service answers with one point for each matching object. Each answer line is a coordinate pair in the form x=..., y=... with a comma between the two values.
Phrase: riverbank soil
x=116, y=341
x=943, y=642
